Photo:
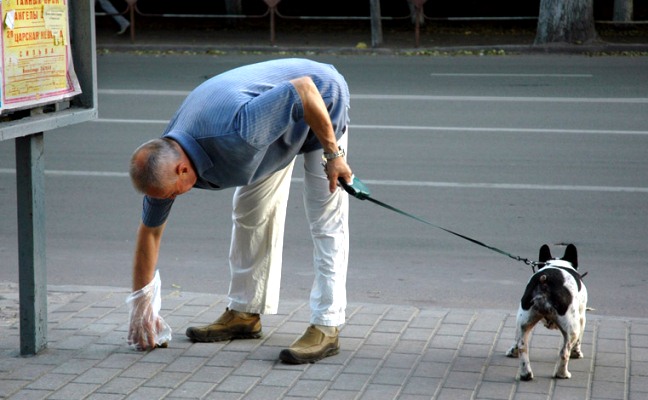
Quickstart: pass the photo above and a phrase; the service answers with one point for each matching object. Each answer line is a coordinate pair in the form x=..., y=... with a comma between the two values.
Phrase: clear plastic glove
x=147, y=328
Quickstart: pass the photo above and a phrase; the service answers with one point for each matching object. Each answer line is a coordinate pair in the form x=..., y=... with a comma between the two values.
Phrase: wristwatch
x=333, y=156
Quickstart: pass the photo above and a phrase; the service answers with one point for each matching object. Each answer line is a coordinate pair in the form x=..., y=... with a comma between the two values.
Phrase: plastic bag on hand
x=147, y=328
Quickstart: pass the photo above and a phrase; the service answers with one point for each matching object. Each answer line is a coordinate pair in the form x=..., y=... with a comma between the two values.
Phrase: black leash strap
x=358, y=190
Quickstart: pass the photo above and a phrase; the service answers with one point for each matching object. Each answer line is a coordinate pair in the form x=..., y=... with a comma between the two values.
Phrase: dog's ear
x=571, y=255
x=545, y=254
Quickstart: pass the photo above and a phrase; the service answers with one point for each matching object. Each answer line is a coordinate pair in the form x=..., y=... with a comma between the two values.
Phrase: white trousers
x=259, y=214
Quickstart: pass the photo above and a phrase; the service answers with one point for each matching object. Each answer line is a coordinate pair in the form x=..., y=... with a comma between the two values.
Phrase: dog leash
x=360, y=191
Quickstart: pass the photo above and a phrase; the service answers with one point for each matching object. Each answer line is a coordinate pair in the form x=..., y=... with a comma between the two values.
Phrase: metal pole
x=30, y=178
x=376, y=24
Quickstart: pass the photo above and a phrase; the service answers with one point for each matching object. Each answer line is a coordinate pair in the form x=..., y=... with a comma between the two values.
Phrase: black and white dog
x=557, y=295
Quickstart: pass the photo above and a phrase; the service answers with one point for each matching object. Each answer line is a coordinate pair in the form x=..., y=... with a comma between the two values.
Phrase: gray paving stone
x=410, y=346
x=142, y=370
x=353, y=382
x=452, y=329
x=639, y=368
x=284, y=378
x=461, y=380
x=480, y=337
x=639, y=354
x=267, y=393
x=147, y=393
x=11, y=385
x=381, y=392
x=74, y=391
x=417, y=334
x=308, y=388
x=608, y=390
x=372, y=351
x=256, y=368
x=185, y=364
x=422, y=386
x=120, y=386
x=639, y=340
x=454, y=394
x=382, y=338
x=390, y=326
x=401, y=360
x=569, y=393
x=495, y=390
x=639, y=384
x=469, y=364
x=167, y=380
x=97, y=375
x=322, y=372
x=119, y=360
x=335, y=394
x=237, y=383
x=192, y=390
x=431, y=370
x=610, y=374
x=225, y=358
x=31, y=394
x=362, y=365
x=445, y=342
x=391, y=376
x=50, y=382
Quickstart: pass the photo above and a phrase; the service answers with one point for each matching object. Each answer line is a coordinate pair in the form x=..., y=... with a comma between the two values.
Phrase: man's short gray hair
x=150, y=164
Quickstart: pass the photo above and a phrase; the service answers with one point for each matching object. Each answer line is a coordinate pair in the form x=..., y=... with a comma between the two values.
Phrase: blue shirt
x=248, y=123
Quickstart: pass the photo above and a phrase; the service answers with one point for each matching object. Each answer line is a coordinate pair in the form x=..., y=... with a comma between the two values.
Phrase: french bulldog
x=557, y=296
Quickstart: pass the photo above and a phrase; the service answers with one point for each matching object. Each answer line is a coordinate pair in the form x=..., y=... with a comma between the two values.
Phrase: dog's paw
x=526, y=376
x=513, y=352
x=576, y=354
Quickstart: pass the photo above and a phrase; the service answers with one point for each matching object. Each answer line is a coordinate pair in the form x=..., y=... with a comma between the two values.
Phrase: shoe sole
x=289, y=358
x=223, y=338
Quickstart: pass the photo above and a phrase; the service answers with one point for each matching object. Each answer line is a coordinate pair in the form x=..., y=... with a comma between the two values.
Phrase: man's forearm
x=146, y=255
x=315, y=113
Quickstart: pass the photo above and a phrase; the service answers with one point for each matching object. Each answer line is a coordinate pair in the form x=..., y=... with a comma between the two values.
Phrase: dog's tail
x=542, y=304
x=541, y=301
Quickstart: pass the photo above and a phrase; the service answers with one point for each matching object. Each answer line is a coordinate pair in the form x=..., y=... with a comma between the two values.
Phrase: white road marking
x=394, y=183
x=391, y=97
x=422, y=128
x=504, y=75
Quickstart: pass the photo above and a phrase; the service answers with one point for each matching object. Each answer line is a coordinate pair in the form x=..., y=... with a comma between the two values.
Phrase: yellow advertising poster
x=36, y=59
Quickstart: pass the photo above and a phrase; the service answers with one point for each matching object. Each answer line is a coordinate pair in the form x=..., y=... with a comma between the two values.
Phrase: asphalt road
x=514, y=151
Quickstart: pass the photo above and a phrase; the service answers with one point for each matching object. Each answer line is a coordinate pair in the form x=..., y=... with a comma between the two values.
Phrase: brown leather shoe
x=231, y=325
x=311, y=347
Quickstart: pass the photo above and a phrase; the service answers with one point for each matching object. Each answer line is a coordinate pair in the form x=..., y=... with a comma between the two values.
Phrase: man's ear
x=181, y=168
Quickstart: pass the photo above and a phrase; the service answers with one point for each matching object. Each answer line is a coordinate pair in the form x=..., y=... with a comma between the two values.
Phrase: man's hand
x=147, y=329
x=335, y=169
x=145, y=325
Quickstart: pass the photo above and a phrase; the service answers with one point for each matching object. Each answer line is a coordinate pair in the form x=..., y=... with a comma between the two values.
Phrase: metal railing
x=416, y=14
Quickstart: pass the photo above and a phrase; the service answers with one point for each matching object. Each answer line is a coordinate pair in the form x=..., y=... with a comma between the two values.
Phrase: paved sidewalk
x=387, y=352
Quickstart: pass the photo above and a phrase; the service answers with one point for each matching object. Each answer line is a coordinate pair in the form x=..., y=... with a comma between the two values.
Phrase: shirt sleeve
x=267, y=116
x=155, y=211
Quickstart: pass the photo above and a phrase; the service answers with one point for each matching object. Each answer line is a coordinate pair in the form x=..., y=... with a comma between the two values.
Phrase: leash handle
x=355, y=188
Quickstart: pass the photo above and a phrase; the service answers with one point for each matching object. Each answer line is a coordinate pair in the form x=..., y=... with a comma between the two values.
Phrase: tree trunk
x=623, y=10
x=566, y=21
x=234, y=7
